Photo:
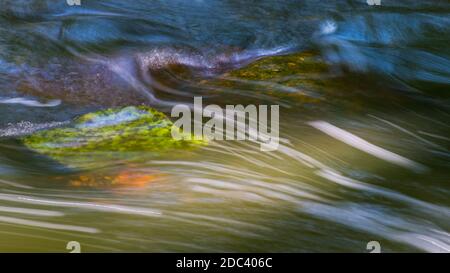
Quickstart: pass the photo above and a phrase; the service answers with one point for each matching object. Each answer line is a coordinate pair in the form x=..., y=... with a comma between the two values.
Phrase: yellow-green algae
x=112, y=134
x=277, y=67
x=284, y=76
x=302, y=78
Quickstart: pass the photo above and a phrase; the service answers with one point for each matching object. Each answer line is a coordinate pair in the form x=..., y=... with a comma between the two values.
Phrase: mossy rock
x=114, y=134
x=290, y=77
x=303, y=79
x=278, y=67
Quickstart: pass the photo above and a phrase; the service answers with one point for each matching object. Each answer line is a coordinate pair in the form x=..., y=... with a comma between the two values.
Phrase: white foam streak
x=31, y=103
x=14, y=184
x=47, y=225
x=389, y=225
x=35, y=212
x=84, y=205
x=334, y=176
x=363, y=145
x=26, y=127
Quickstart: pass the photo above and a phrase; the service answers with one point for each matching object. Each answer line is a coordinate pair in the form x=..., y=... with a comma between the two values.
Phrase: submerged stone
x=97, y=138
x=291, y=76
x=303, y=79
x=277, y=67
x=112, y=179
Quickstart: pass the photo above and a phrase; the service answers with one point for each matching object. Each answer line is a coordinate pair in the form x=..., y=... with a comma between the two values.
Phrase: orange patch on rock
x=124, y=178
x=132, y=179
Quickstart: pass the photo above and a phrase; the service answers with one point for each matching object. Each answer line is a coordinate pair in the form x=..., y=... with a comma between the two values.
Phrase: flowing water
x=364, y=132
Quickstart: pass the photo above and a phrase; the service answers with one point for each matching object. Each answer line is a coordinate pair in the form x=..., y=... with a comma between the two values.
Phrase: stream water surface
x=364, y=125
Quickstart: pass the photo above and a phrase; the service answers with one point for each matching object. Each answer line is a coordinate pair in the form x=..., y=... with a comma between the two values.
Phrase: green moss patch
x=109, y=134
